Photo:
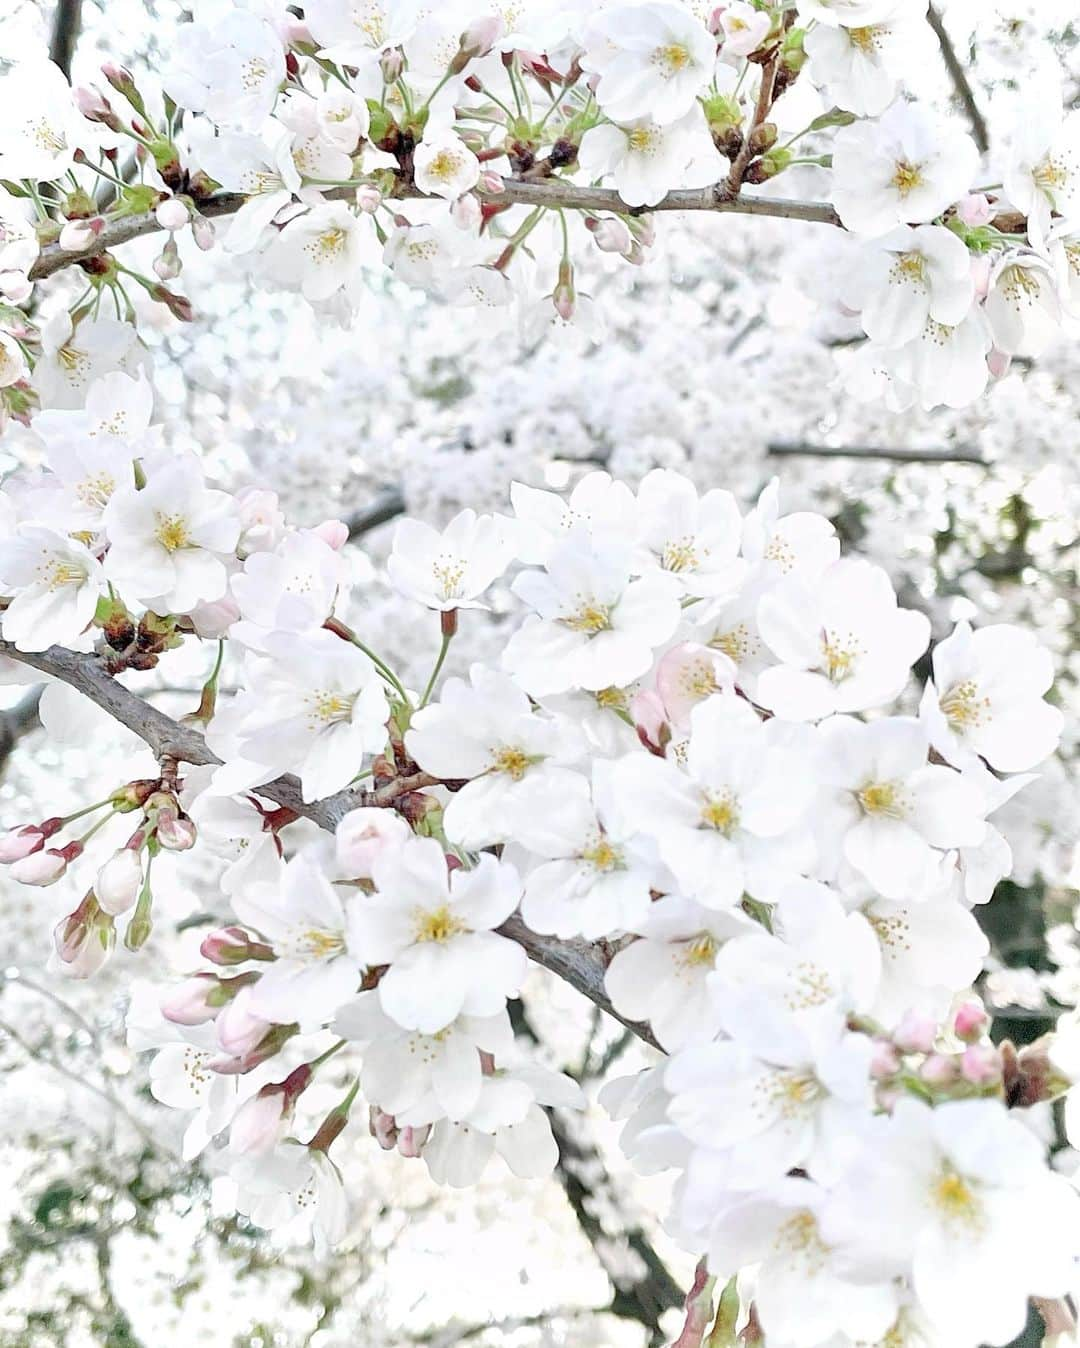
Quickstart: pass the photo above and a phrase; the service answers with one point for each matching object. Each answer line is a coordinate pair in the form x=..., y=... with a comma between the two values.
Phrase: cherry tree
x=662, y=734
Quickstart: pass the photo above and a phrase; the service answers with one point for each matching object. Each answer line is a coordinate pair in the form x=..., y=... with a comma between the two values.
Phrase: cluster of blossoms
x=699, y=752
x=473, y=151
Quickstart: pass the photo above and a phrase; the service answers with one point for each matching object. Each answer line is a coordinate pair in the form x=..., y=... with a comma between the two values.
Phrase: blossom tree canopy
x=711, y=767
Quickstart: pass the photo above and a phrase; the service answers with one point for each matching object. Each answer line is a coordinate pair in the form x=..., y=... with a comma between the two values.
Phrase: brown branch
x=961, y=83
x=551, y=192
x=66, y=26
x=579, y=964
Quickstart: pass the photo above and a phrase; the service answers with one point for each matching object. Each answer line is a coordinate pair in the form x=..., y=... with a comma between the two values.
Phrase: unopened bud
x=41, y=868
x=971, y=1022
x=392, y=63
x=259, y=1124
x=269, y=1046
x=79, y=234
x=175, y=832
x=885, y=1061
x=232, y=945
x=466, y=212
x=769, y=165
x=202, y=231
x=122, y=81
x=17, y=843
x=84, y=939
x=383, y=1128
x=194, y=1001
x=167, y=265
x=178, y=305
x=643, y=228
x=981, y=1064
x=364, y=835
x=938, y=1070
x=119, y=881
x=564, y=296
x=410, y=1141
x=239, y=1031
x=491, y=183
x=368, y=198
x=95, y=107
x=916, y=1033
x=172, y=213
x=611, y=235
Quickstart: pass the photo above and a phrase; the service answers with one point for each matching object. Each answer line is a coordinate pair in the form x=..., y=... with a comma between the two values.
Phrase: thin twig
x=896, y=455
x=961, y=83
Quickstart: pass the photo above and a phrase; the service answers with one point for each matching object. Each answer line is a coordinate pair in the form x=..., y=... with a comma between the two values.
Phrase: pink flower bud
x=203, y=232
x=90, y=103
x=167, y=264
x=611, y=235
x=392, y=63
x=999, y=363
x=84, y=939
x=481, y=35
x=383, y=1128
x=643, y=228
x=938, y=1070
x=916, y=1033
x=466, y=212
x=232, y=945
x=176, y=833
x=368, y=198
x=258, y=1125
x=192, y=1002
x=410, y=1142
x=295, y=32
x=239, y=1031
x=79, y=234
x=17, y=843
x=172, y=214
x=334, y=533
x=650, y=718
x=971, y=1022
x=40, y=868
x=981, y=1064
x=491, y=183
x=975, y=210
x=363, y=836
x=885, y=1061
x=119, y=881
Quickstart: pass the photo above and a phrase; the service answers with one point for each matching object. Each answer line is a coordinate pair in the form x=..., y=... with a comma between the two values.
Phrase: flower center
x=642, y=140
x=602, y=856
x=449, y=572
x=327, y=246
x=909, y=267
x=963, y=708
x=612, y=699
x=444, y=165
x=255, y=70
x=46, y=137
x=866, y=39
x=792, y=1092
x=680, y=556
x=171, y=532
x=1050, y=175
x=96, y=491
x=329, y=706
x=720, y=811
x=671, y=59
x=883, y=800
x=438, y=925
x=321, y=945
x=907, y=177
x=700, y=951
x=955, y=1199
x=590, y=618
x=59, y=572
x=512, y=760
x=839, y=653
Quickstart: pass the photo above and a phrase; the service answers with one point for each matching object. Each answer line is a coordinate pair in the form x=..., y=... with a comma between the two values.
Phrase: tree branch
x=66, y=26
x=549, y=192
x=579, y=964
x=896, y=455
x=961, y=83
x=19, y=721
